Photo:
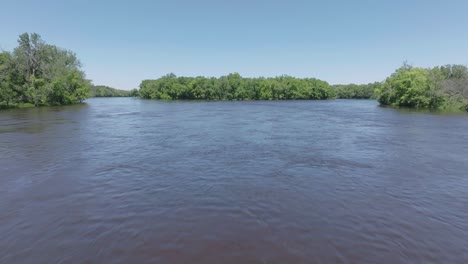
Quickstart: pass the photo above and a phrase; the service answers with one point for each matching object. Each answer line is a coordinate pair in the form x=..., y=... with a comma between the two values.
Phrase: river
x=124, y=180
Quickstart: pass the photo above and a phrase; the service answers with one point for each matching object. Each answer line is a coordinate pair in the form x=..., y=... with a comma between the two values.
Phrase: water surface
x=134, y=181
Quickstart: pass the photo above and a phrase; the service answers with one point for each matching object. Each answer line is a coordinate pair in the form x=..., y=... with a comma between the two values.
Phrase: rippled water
x=135, y=181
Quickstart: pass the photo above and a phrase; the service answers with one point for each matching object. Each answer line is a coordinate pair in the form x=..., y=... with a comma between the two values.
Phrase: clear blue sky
x=121, y=43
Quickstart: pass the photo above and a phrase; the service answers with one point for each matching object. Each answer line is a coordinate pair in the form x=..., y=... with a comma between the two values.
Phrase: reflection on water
x=135, y=181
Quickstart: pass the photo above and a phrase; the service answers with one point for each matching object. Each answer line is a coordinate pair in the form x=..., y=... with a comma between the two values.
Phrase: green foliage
x=235, y=87
x=105, y=91
x=40, y=74
x=134, y=93
x=440, y=87
x=356, y=91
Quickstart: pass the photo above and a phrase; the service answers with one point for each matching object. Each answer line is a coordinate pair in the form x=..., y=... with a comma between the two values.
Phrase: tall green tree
x=41, y=74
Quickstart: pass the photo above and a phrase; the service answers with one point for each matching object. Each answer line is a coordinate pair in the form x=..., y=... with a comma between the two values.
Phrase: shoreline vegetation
x=40, y=74
x=438, y=88
x=442, y=87
x=236, y=87
x=106, y=91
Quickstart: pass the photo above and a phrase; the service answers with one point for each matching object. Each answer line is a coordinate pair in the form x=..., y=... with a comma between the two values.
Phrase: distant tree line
x=442, y=87
x=235, y=87
x=106, y=91
x=357, y=91
x=38, y=73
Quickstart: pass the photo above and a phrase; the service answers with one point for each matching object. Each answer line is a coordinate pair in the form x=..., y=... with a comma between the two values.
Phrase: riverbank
x=13, y=106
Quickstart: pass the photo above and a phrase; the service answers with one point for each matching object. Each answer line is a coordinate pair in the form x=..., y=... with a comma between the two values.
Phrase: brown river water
x=135, y=181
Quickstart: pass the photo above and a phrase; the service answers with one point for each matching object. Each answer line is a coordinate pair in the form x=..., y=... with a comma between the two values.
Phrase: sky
x=121, y=43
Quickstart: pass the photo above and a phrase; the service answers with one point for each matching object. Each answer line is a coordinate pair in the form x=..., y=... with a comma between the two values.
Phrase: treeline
x=443, y=87
x=38, y=73
x=357, y=91
x=235, y=87
x=106, y=91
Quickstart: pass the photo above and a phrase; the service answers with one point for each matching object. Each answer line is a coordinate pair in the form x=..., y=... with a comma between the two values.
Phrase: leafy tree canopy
x=438, y=88
x=235, y=87
x=41, y=74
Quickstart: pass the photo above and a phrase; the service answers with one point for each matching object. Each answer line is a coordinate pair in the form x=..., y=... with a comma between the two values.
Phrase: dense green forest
x=443, y=87
x=106, y=91
x=37, y=73
x=234, y=87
